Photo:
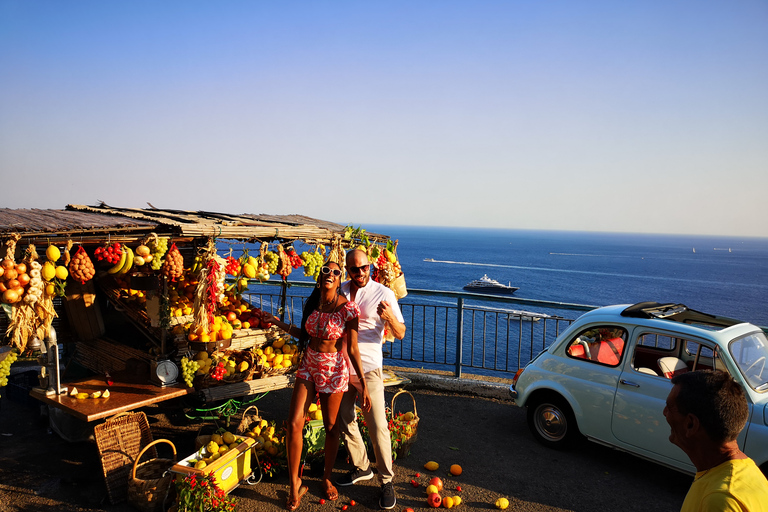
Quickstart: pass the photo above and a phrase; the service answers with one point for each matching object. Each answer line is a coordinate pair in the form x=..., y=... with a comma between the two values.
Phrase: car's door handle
x=629, y=383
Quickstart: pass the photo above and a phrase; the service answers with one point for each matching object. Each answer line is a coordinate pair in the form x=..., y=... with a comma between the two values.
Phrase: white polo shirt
x=370, y=334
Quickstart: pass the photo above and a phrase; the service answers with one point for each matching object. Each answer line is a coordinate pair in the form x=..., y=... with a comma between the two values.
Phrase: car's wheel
x=552, y=422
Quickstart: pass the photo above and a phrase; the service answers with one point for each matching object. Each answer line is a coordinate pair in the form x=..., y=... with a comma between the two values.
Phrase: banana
x=119, y=265
x=128, y=261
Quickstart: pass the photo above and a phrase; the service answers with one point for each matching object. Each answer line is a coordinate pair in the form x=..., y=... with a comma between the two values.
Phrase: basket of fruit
x=248, y=421
x=403, y=427
x=278, y=358
x=226, y=367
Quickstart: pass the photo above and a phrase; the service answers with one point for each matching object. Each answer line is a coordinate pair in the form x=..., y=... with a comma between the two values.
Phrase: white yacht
x=487, y=285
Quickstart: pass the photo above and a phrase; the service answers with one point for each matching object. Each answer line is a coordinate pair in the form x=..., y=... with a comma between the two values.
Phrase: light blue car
x=608, y=375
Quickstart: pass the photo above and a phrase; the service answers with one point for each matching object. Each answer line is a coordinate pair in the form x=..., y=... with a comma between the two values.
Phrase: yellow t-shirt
x=735, y=485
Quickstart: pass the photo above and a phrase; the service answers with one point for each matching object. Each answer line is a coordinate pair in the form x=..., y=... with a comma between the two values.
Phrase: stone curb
x=453, y=385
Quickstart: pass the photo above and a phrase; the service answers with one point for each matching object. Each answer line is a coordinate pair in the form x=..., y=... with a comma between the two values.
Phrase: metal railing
x=456, y=331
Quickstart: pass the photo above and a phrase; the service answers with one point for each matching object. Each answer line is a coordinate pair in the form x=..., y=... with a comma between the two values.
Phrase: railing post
x=459, y=335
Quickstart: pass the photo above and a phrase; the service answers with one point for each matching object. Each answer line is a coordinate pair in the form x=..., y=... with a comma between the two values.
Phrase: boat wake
x=595, y=273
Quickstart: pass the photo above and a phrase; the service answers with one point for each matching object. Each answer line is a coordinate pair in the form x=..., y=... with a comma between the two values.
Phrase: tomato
x=231, y=316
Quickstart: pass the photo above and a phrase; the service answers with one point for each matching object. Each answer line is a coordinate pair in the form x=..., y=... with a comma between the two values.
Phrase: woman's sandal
x=331, y=493
x=292, y=504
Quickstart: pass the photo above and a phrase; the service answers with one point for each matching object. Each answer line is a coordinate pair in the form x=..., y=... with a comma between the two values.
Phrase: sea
x=726, y=276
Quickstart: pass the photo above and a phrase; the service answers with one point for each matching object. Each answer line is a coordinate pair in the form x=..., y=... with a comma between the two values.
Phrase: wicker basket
x=150, y=483
x=248, y=421
x=405, y=447
x=120, y=440
x=206, y=381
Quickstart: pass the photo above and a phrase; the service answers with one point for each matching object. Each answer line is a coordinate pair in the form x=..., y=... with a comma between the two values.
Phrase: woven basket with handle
x=405, y=446
x=150, y=483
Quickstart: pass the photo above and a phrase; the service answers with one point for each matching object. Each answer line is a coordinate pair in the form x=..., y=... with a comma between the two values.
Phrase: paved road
x=487, y=437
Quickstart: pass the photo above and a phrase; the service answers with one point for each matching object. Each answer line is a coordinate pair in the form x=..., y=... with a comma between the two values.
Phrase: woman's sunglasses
x=328, y=270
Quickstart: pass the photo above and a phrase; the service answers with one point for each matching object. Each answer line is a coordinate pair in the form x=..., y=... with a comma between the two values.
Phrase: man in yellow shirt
x=706, y=410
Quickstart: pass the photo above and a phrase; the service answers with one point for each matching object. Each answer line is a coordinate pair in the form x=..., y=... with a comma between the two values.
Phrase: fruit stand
x=147, y=307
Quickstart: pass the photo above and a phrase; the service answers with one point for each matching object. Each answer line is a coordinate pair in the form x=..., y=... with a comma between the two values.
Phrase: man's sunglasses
x=328, y=270
x=357, y=270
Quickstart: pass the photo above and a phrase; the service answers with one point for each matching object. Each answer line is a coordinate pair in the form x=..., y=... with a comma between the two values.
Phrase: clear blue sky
x=638, y=116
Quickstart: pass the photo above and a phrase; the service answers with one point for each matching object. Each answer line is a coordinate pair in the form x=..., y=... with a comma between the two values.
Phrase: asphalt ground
x=488, y=437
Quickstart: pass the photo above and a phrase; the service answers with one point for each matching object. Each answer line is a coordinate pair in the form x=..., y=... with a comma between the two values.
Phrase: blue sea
x=720, y=275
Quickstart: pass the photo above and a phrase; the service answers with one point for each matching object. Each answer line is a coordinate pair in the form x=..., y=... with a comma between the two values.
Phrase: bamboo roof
x=100, y=220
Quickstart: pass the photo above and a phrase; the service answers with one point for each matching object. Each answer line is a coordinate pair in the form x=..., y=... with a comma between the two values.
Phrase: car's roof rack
x=678, y=313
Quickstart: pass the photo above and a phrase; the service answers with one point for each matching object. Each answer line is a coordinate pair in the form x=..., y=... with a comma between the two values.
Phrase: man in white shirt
x=378, y=311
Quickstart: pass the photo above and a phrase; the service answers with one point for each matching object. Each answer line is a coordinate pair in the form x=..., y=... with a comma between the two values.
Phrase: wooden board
x=83, y=311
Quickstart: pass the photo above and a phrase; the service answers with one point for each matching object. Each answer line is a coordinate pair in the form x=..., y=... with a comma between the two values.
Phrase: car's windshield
x=750, y=353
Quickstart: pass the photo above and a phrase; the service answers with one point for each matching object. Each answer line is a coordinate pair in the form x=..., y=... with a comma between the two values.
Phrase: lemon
x=216, y=438
x=62, y=272
x=502, y=503
x=96, y=394
x=48, y=271
x=278, y=343
x=317, y=415
x=312, y=407
x=105, y=394
x=228, y=438
x=448, y=502
x=455, y=470
x=408, y=416
x=82, y=396
x=53, y=253
x=212, y=447
x=432, y=489
x=456, y=501
x=431, y=466
x=223, y=449
x=243, y=366
x=200, y=464
x=73, y=392
x=263, y=423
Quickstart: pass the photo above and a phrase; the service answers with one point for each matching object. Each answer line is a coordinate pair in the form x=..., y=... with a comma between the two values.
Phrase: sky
x=645, y=116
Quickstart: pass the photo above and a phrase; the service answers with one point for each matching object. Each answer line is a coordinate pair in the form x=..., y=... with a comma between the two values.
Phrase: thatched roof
x=102, y=220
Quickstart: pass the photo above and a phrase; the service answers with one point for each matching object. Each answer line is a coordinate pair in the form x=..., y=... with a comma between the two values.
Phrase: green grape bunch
x=313, y=261
x=5, y=367
x=188, y=369
x=158, y=247
x=272, y=260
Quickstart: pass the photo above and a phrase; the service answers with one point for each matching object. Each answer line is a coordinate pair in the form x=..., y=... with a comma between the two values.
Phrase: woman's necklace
x=324, y=304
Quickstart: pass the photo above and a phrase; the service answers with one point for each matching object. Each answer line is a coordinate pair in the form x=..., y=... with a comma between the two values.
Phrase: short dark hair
x=716, y=400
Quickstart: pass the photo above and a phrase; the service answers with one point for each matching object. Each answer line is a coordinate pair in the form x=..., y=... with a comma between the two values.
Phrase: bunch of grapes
x=5, y=367
x=218, y=371
x=110, y=253
x=312, y=263
x=233, y=266
x=158, y=248
x=188, y=369
x=271, y=258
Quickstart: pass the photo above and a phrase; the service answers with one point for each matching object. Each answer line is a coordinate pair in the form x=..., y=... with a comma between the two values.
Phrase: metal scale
x=50, y=370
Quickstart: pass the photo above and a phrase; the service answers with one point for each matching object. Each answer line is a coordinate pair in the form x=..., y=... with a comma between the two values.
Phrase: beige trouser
x=377, y=423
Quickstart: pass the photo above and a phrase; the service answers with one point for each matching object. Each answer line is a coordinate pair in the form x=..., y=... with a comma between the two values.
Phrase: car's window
x=604, y=345
x=655, y=340
x=750, y=353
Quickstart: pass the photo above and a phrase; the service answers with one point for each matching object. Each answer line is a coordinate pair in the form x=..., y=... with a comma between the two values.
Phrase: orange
x=205, y=338
x=455, y=470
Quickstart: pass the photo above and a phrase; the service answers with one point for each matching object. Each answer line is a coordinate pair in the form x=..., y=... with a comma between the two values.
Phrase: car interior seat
x=646, y=370
x=671, y=366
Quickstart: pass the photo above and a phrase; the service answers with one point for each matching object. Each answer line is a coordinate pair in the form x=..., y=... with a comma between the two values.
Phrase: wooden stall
x=136, y=295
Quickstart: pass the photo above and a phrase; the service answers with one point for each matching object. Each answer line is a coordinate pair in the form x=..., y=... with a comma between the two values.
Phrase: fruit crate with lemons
x=228, y=463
